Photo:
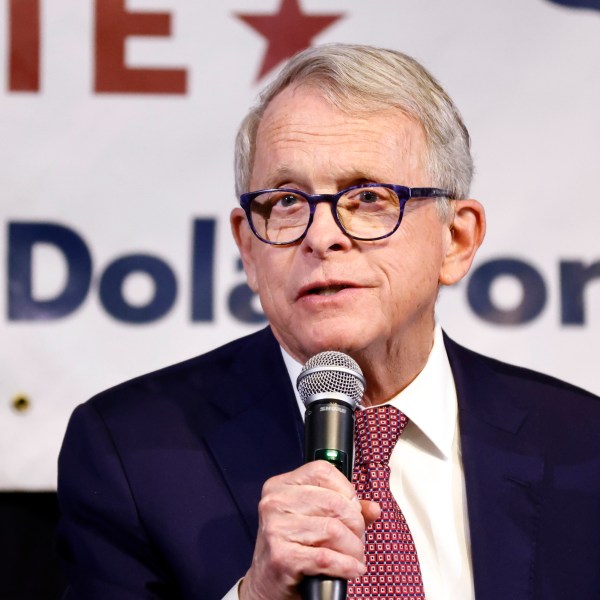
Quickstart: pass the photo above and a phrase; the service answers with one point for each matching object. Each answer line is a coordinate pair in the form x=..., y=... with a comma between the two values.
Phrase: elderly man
x=353, y=172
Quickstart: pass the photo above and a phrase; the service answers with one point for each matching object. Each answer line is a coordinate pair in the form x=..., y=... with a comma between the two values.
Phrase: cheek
x=271, y=276
x=412, y=273
x=425, y=246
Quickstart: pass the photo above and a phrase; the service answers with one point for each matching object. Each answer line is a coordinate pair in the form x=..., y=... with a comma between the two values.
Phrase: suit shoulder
x=188, y=381
x=516, y=376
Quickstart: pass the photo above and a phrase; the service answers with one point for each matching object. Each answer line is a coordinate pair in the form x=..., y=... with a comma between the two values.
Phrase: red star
x=288, y=31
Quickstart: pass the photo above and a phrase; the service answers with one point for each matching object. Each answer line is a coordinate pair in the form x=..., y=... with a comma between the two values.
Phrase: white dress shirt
x=427, y=477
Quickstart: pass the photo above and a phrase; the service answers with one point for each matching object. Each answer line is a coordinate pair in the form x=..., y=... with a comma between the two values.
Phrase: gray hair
x=361, y=79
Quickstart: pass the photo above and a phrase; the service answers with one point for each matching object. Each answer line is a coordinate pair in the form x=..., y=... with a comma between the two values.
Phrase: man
x=353, y=172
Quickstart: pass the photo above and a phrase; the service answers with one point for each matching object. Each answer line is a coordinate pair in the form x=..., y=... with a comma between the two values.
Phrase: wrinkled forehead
x=301, y=129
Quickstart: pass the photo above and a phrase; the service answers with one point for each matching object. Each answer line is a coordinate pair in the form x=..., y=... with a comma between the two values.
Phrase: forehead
x=301, y=132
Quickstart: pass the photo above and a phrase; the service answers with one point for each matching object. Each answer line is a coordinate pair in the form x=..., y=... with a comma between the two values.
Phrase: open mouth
x=328, y=290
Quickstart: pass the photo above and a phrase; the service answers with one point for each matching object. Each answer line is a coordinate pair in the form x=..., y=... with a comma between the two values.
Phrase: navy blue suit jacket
x=160, y=477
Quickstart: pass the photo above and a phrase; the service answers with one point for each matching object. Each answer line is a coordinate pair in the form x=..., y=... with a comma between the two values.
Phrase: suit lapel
x=503, y=473
x=264, y=422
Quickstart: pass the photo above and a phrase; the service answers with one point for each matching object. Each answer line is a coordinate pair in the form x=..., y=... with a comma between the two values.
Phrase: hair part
x=362, y=79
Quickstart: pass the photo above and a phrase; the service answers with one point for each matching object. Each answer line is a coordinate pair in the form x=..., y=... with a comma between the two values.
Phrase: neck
x=392, y=367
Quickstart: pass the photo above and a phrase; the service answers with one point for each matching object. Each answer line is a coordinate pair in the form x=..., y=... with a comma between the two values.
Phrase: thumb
x=370, y=511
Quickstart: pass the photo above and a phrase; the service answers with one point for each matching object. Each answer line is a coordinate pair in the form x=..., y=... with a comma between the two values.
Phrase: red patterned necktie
x=393, y=569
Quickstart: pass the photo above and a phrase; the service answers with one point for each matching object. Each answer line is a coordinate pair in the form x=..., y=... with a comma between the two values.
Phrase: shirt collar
x=429, y=401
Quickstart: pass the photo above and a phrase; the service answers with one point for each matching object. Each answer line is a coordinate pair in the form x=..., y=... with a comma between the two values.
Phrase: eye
x=365, y=197
x=287, y=201
x=368, y=196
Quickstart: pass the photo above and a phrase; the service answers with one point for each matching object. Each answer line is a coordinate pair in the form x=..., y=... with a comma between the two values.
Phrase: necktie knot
x=376, y=432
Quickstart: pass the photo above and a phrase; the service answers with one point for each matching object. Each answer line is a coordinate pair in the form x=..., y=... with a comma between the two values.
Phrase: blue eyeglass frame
x=404, y=195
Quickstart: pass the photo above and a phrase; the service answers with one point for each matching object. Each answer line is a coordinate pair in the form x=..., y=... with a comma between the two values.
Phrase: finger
x=371, y=511
x=318, y=473
x=294, y=561
x=279, y=565
x=323, y=561
x=307, y=500
x=319, y=532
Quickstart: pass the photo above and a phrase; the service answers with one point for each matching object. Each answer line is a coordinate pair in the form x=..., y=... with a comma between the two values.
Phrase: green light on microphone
x=337, y=458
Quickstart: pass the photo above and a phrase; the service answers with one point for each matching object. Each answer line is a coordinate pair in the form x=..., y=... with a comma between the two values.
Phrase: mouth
x=327, y=291
x=324, y=290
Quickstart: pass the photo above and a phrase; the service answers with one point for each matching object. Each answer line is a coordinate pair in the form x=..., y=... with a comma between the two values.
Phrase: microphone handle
x=328, y=435
x=320, y=587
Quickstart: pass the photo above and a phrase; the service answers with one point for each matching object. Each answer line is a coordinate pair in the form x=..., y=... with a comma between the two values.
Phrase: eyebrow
x=281, y=173
x=351, y=177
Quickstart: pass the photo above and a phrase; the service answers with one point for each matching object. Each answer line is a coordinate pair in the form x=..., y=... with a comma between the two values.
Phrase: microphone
x=331, y=385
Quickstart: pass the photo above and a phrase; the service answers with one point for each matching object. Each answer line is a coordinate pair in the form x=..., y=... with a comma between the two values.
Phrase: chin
x=322, y=339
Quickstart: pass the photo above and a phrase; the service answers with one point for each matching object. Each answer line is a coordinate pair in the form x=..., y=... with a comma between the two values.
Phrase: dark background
x=29, y=569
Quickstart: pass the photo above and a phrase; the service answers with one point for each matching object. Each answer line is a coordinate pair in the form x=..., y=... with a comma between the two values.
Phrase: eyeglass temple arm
x=427, y=192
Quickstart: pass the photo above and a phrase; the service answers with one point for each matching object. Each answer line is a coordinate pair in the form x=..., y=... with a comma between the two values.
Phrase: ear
x=465, y=234
x=244, y=238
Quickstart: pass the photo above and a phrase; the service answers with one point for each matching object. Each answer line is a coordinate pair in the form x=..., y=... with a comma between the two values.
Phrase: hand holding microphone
x=331, y=386
x=311, y=522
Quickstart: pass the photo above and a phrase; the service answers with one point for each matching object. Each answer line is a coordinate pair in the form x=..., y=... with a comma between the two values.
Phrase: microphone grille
x=328, y=372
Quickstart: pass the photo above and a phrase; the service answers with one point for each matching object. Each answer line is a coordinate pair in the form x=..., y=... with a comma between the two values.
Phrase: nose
x=324, y=235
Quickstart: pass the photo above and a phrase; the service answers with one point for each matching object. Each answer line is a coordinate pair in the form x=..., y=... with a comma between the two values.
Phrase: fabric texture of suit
x=160, y=477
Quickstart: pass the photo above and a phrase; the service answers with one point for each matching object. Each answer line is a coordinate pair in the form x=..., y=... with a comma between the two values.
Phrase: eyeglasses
x=363, y=212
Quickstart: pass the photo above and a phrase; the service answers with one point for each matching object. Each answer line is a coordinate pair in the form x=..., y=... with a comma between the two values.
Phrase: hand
x=310, y=523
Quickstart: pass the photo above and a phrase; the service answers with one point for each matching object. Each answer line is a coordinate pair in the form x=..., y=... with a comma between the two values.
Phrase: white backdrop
x=141, y=182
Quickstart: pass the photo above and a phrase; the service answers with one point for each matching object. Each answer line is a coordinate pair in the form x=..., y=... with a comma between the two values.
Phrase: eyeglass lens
x=366, y=212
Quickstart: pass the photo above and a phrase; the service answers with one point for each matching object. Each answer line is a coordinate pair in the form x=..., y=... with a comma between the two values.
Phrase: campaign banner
x=118, y=120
